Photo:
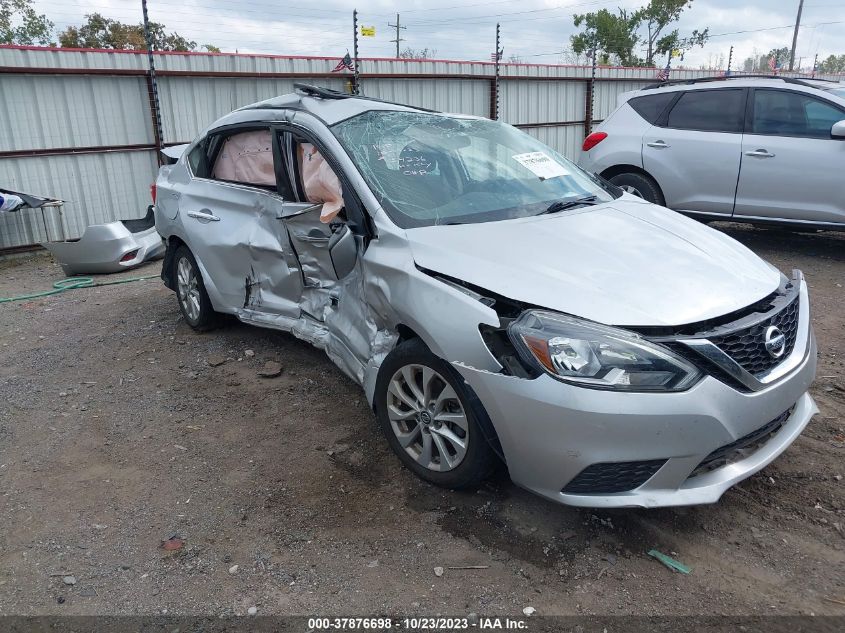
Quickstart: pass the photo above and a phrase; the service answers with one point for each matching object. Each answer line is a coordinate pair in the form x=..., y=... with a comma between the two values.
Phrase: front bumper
x=551, y=431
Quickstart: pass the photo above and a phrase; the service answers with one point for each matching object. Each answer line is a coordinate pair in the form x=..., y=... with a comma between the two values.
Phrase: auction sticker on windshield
x=541, y=165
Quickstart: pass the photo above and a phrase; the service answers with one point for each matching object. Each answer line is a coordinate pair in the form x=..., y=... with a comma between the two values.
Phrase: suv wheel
x=190, y=290
x=639, y=185
x=430, y=418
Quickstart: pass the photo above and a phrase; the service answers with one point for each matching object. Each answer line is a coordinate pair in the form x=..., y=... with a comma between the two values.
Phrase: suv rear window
x=709, y=111
x=650, y=107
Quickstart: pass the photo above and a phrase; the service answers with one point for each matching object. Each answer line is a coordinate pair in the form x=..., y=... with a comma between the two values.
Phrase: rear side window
x=650, y=107
x=246, y=158
x=709, y=111
x=197, y=160
x=783, y=113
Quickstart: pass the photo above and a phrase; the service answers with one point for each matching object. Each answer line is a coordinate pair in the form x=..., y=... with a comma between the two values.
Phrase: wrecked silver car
x=493, y=300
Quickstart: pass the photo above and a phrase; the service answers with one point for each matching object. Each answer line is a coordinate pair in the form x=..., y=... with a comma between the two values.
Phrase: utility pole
x=795, y=34
x=730, y=59
x=355, y=87
x=153, y=84
x=815, y=64
x=498, y=56
x=398, y=39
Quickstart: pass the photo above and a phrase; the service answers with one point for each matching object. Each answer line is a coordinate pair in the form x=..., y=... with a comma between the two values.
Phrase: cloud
x=534, y=30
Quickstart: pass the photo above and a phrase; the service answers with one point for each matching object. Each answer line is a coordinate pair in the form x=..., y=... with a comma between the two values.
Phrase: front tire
x=193, y=299
x=640, y=185
x=430, y=418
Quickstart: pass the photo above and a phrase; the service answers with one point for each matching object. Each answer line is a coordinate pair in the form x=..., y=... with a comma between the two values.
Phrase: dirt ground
x=117, y=433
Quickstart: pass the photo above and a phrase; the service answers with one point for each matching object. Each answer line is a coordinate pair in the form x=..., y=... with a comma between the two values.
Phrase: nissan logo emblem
x=774, y=341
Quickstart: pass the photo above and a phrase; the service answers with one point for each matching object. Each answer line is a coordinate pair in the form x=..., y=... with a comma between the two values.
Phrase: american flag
x=493, y=56
x=344, y=64
x=663, y=75
x=773, y=64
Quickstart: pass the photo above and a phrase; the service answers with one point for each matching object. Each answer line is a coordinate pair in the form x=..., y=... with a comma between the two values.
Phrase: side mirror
x=343, y=251
x=838, y=130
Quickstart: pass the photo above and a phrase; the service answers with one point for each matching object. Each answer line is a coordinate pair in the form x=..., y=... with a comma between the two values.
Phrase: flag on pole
x=493, y=56
x=663, y=75
x=344, y=64
x=368, y=31
x=773, y=64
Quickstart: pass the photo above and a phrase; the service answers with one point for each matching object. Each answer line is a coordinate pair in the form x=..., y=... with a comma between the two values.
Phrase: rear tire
x=430, y=418
x=193, y=299
x=640, y=185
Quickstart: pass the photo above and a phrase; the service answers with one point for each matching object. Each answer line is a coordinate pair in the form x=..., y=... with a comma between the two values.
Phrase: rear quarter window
x=650, y=107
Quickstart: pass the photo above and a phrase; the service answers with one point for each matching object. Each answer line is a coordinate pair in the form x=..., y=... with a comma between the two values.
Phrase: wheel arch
x=616, y=170
x=407, y=334
x=173, y=244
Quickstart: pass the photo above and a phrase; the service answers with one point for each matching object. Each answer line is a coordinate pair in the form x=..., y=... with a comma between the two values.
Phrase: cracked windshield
x=430, y=169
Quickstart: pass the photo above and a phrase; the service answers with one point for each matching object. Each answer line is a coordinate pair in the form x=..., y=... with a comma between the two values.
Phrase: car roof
x=742, y=81
x=331, y=106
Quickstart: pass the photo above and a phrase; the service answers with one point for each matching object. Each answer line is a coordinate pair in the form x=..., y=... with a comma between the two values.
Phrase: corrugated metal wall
x=77, y=125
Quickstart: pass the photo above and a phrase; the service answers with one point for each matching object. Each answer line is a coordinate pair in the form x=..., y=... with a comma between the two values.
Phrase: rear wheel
x=190, y=290
x=639, y=185
x=431, y=419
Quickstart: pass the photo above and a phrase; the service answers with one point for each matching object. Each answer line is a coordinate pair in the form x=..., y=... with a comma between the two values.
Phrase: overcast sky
x=535, y=30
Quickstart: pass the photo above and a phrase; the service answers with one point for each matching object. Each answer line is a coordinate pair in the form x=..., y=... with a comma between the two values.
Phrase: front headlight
x=598, y=356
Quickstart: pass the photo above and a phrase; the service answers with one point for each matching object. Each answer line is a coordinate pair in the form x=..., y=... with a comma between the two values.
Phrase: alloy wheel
x=427, y=417
x=187, y=288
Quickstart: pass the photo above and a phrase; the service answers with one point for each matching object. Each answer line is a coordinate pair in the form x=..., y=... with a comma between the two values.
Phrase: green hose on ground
x=72, y=283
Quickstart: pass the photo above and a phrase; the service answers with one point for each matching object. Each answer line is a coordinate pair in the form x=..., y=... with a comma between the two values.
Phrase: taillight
x=592, y=140
x=130, y=255
x=153, y=192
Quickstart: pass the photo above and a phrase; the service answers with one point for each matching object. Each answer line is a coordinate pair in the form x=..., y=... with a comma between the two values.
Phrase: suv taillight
x=153, y=192
x=592, y=140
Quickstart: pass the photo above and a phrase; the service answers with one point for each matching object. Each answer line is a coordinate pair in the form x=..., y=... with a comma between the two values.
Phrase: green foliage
x=833, y=64
x=102, y=32
x=760, y=63
x=20, y=24
x=616, y=35
x=609, y=34
x=211, y=48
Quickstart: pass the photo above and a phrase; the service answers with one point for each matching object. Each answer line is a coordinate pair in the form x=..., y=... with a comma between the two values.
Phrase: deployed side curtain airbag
x=320, y=182
x=247, y=157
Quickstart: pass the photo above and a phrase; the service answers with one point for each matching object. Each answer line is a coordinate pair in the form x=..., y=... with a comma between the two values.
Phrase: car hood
x=625, y=263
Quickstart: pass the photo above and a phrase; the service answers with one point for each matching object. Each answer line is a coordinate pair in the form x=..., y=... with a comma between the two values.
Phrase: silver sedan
x=496, y=303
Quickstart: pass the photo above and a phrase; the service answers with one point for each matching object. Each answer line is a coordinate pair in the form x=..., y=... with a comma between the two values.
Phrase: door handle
x=205, y=216
x=658, y=144
x=760, y=153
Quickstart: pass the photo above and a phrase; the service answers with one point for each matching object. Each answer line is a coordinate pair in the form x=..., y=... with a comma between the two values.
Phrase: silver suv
x=752, y=149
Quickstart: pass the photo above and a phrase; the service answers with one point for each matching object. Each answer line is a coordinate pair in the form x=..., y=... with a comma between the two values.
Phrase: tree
x=617, y=34
x=211, y=48
x=659, y=14
x=609, y=34
x=102, y=32
x=833, y=64
x=422, y=53
x=20, y=24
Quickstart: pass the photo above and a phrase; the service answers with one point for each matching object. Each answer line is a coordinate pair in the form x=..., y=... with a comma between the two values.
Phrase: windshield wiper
x=563, y=205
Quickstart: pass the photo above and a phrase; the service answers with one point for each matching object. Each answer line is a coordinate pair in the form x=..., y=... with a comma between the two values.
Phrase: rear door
x=791, y=167
x=693, y=151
